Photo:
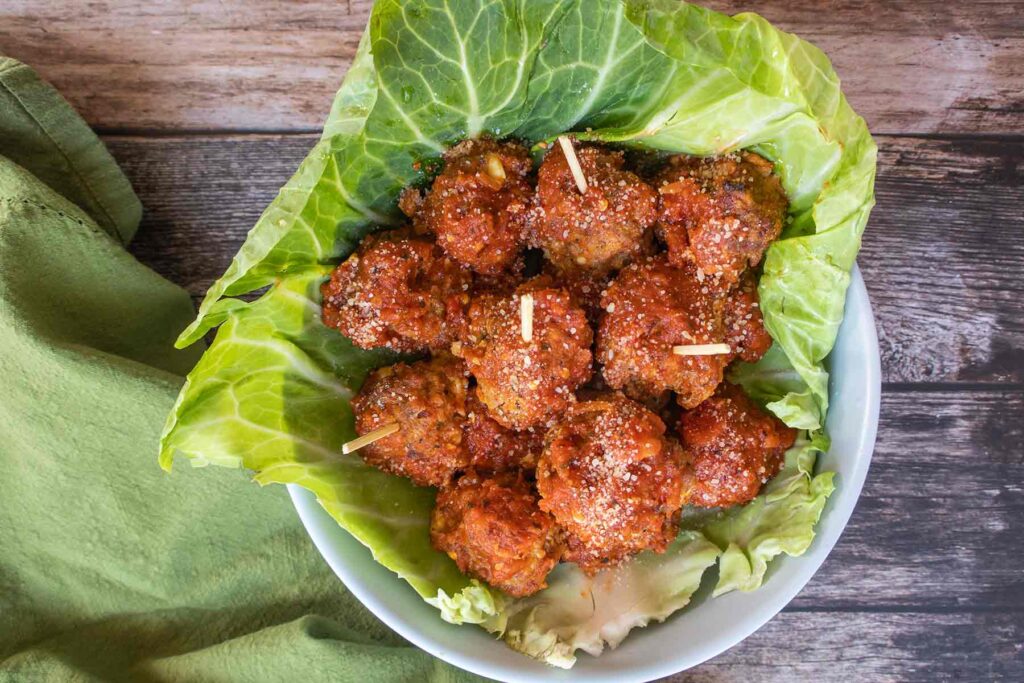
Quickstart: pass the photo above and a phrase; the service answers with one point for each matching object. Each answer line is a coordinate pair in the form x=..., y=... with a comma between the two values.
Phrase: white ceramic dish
x=707, y=626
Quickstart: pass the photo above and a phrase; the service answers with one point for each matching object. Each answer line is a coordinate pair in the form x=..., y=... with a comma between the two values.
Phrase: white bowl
x=707, y=626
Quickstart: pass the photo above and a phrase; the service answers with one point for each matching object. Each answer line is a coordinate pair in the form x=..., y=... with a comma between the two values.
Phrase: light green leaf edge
x=577, y=612
x=780, y=520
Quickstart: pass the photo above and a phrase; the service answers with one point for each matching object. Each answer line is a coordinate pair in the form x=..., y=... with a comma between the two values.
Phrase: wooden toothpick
x=367, y=439
x=574, y=163
x=701, y=349
x=526, y=317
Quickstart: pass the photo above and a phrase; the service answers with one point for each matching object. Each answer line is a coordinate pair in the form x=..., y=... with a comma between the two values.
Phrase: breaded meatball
x=397, y=291
x=611, y=478
x=734, y=447
x=493, y=448
x=493, y=529
x=527, y=383
x=744, y=326
x=721, y=211
x=427, y=400
x=477, y=204
x=505, y=283
x=602, y=230
x=650, y=307
x=584, y=286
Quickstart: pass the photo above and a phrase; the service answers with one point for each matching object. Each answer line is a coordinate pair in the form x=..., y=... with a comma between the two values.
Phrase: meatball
x=601, y=230
x=722, y=211
x=611, y=478
x=650, y=307
x=494, y=530
x=585, y=287
x=527, y=383
x=744, y=326
x=427, y=400
x=493, y=448
x=397, y=291
x=505, y=283
x=477, y=204
x=734, y=447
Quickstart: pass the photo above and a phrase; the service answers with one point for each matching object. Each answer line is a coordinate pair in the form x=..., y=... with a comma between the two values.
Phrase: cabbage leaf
x=780, y=520
x=271, y=394
x=577, y=612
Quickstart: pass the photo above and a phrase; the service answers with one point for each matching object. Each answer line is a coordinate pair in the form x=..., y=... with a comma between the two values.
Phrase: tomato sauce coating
x=493, y=448
x=602, y=230
x=744, y=327
x=721, y=211
x=733, y=446
x=427, y=400
x=502, y=412
x=585, y=287
x=477, y=205
x=527, y=383
x=649, y=308
x=398, y=291
x=493, y=529
x=611, y=478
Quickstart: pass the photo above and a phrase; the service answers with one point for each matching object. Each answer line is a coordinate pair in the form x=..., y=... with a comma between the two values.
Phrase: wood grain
x=937, y=523
x=811, y=647
x=908, y=67
x=942, y=255
x=236, y=64
x=943, y=258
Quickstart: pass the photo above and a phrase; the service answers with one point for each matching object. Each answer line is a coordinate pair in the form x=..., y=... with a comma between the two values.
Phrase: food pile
x=579, y=320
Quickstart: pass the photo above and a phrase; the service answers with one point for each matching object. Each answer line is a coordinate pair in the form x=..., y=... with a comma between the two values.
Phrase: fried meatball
x=397, y=291
x=427, y=400
x=611, y=478
x=744, y=326
x=733, y=446
x=650, y=307
x=477, y=204
x=505, y=283
x=600, y=231
x=527, y=383
x=494, y=530
x=722, y=211
x=493, y=448
x=585, y=287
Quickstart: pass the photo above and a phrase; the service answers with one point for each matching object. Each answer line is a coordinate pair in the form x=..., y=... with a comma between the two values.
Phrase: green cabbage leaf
x=272, y=392
x=577, y=612
x=780, y=520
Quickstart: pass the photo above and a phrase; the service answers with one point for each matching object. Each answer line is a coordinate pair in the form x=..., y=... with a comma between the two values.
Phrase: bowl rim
x=323, y=531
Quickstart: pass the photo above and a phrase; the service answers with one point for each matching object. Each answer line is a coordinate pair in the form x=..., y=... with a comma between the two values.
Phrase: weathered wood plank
x=854, y=646
x=936, y=526
x=942, y=256
x=235, y=64
x=909, y=67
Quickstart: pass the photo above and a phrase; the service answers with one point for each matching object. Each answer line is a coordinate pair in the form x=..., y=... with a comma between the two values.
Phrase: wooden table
x=209, y=106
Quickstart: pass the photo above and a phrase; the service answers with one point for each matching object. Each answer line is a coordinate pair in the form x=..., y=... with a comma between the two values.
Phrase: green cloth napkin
x=109, y=568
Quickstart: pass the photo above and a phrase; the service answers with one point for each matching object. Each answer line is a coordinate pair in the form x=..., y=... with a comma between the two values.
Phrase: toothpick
x=701, y=349
x=574, y=163
x=367, y=439
x=526, y=317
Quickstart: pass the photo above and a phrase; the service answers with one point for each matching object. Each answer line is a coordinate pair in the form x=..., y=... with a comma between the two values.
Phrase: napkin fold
x=109, y=568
